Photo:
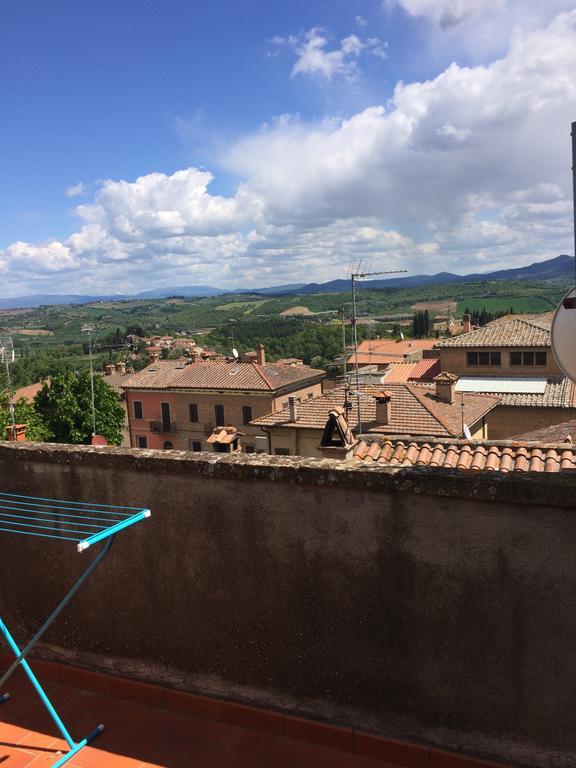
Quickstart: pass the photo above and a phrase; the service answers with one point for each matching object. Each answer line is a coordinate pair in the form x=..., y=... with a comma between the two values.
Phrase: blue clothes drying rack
x=69, y=521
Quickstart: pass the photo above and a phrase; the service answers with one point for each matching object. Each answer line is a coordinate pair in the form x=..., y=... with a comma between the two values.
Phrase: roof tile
x=514, y=333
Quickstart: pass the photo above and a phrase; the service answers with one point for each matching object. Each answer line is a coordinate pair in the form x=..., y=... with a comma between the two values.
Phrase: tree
x=65, y=406
x=24, y=413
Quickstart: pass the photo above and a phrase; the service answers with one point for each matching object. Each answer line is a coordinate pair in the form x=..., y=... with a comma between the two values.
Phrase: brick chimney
x=260, y=354
x=383, y=408
x=446, y=387
x=153, y=357
x=293, y=408
x=109, y=369
x=466, y=323
x=121, y=367
x=16, y=434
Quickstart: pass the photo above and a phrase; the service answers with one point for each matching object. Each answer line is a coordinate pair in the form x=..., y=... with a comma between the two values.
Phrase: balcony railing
x=163, y=427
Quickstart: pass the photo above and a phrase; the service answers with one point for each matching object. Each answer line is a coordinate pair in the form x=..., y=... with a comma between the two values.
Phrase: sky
x=249, y=143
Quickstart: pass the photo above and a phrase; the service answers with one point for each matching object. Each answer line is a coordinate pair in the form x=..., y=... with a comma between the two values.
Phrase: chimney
x=260, y=354
x=121, y=367
x=383, y=408
x=154, y=357
x=130, y=369
x=466, y=324
x=446, y=387
x=16, y=434
x=293, y=408
x=109, y=369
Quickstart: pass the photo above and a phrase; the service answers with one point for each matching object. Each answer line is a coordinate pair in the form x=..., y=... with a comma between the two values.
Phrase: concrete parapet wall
x=419, y=603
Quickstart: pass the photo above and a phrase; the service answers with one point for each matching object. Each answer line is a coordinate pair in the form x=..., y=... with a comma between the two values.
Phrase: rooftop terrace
x=349, y=605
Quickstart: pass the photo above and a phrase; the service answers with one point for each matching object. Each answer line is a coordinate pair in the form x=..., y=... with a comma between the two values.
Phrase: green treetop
x=65, y=407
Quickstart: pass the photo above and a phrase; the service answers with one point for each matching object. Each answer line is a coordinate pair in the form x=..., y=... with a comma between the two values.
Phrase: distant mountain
x=186, y=291
x=46, y=300
x=559, y=269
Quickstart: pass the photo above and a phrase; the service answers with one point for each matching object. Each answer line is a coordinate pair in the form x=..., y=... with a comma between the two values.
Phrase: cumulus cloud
x=467, y=171
x=448, y=13
x=314, y=58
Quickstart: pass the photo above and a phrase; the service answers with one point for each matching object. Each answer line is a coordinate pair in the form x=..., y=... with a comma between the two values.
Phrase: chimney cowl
x=446, y=386
x=383, y=408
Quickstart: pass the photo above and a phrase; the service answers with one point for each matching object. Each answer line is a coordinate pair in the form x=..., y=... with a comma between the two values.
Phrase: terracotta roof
x=426, y=369
x=375, y=358
x=556, y=433
x=559, y=392
x=219, y=374
x=505, y=456
x=515, y=333
x=415, y=410
x=28, y=393
x=223, y=435
x=116, y=380
x=395, y=347
x=423, y=370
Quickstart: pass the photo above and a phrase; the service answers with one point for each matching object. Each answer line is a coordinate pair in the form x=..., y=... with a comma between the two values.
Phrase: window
x=219, y=415
x=195, y=445
x=138, y=411
x=282, y=451
x=142, y=442
x=483, y=358
x=527, y=358
x=168, y=445
x=166, y=421
x=248, y=449
x=540, y=358
x=193, y=411
x=246, y=414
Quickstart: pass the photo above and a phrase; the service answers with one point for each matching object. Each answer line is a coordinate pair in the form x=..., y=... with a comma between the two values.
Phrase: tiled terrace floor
x=141, y=736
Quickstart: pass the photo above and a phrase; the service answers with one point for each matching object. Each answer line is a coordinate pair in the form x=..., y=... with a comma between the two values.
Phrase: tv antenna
x=354, y=277
x=7, y=356
x=88, y=329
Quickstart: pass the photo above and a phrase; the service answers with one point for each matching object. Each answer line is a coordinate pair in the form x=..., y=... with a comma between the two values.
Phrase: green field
x=517, y=304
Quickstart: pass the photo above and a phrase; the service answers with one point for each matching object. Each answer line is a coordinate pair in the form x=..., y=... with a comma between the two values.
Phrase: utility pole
x=355, y=276
x=88, y=329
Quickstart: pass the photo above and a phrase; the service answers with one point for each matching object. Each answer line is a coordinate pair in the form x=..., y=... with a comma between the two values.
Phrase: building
x=512, y=359
x=115, y=375
x=178, y=404
x=401, y=409
x=382, y=352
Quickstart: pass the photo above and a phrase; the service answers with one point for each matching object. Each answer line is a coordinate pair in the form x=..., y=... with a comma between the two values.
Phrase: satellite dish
x=564, y=335
x=467, y=433
x=235, y=353
x=401, y=335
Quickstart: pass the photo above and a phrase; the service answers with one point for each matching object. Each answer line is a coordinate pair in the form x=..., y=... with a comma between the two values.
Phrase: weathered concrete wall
x=507, y=421
x=418, y=603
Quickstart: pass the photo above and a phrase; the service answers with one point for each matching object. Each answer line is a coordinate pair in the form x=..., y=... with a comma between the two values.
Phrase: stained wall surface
x=422, y=604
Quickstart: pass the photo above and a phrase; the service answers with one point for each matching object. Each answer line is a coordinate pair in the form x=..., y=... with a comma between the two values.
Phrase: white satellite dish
x=467, y=433
x=564, y=335
x=401, y=335
x=235, y=353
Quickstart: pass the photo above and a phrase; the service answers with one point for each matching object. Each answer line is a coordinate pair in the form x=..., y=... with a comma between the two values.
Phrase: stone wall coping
x=527, y=488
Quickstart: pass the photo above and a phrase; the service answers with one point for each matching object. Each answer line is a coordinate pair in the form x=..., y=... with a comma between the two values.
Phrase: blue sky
x=242, y=143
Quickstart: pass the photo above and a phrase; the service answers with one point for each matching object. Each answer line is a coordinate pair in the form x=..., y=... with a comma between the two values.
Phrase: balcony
x=163, y=427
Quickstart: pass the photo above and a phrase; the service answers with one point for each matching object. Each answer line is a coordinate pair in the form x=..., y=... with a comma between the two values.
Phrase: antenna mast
x=89, y=330
x=7, y=352
x=354, y=277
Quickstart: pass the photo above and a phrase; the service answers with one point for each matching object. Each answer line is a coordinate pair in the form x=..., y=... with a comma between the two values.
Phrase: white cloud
x=467, y=171
x=77, y=190
x=314, y=58
x=449, y=13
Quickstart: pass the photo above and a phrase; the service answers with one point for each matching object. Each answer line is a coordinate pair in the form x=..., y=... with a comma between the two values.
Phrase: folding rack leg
x=20, y=659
